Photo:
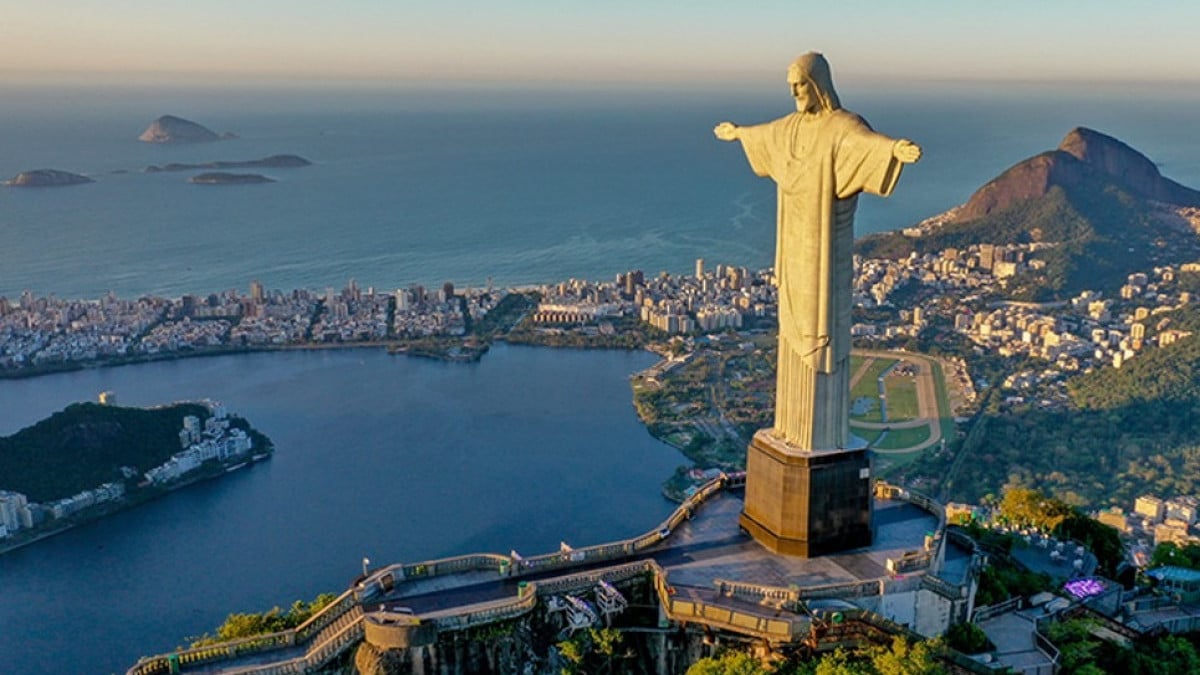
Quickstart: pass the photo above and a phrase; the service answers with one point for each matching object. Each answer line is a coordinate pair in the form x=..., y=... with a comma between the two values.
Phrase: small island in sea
x=172, y=129
x=222, y=178
x=47, y=178
x=90, y=460
x=272, y=162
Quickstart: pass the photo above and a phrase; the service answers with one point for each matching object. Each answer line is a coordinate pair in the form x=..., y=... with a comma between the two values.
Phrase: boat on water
x=235, y=467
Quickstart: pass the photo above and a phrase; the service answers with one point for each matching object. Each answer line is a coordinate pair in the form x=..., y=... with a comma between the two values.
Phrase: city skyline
x=690, y=44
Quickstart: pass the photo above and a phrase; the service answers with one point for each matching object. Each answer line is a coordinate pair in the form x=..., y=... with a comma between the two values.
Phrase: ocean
x=518, y=187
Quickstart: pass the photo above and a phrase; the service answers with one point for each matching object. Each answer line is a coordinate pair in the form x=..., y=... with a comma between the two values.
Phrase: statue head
x=812, y=85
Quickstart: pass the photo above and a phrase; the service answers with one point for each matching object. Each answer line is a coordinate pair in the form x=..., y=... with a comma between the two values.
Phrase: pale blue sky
x=633, y=41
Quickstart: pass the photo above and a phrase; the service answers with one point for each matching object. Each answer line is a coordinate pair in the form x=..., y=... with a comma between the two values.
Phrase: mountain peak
x=1113, y=158
x=1087, y=159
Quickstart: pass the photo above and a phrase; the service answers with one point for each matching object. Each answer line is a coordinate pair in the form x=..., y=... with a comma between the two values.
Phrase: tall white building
x=14, y=511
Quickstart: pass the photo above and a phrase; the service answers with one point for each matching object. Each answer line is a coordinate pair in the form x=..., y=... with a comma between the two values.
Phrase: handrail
x=989, y=611
x=627, y=547
x=257, y=644
x=1043, y=643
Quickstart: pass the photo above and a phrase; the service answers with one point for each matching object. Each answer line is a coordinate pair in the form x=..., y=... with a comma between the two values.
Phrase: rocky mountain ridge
x=1084, y=157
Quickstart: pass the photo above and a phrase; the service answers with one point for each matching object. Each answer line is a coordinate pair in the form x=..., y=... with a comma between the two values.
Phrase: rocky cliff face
x=1085, y=159
x=1127, y=167
x=171, y=129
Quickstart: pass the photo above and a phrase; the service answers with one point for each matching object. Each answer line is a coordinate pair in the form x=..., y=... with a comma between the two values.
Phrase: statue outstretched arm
x=727, y=131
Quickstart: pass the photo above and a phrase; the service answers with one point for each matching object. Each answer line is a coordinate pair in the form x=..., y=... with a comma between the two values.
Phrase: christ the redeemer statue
x=820, y=157
x=808, y=484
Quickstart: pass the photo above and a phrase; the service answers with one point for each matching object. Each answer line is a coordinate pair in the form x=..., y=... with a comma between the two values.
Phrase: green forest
x=86, y=444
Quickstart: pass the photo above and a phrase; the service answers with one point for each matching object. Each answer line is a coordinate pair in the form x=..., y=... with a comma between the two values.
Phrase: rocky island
x=90, y=460
x=47, y=178
x=172, y=129
x=272, y=162
x=220, y=178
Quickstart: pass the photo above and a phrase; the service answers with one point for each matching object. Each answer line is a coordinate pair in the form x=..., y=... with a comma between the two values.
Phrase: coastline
x=392, y=347
x=38, y=371
x=143, y=496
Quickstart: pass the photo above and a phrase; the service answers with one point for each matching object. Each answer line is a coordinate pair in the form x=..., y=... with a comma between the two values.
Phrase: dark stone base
x=807, y=503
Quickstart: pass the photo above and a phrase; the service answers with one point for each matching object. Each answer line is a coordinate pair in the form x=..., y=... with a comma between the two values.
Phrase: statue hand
x=906, y=151
x=726, y=131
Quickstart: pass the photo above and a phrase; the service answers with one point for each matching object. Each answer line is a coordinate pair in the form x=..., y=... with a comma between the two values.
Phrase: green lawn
x=898, y=439
x=868, y=435
x=901, y=398
x=868, y=386
x=943, y=399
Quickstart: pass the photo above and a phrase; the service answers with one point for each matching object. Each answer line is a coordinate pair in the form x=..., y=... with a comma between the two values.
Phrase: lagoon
x=386, y=457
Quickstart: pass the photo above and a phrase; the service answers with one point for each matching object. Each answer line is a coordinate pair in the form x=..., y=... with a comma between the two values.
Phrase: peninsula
x=90, y=460
x=47, y=178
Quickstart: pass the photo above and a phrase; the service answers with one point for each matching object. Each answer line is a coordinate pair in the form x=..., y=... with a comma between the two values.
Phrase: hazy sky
x=692, y=41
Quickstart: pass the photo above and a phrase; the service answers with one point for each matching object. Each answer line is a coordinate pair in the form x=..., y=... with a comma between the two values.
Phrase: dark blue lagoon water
x=413, y=187
x=393, y=458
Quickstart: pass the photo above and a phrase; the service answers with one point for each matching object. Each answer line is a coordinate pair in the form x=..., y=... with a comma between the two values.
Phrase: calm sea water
x=428, y=187
x=392, y=458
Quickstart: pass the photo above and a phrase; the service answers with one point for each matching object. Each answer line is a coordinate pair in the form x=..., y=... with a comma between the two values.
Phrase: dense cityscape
x=954, y=291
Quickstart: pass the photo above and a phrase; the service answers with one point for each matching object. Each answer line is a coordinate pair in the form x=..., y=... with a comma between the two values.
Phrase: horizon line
x=740, y=80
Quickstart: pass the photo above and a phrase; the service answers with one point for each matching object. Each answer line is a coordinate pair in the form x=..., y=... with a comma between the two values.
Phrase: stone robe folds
x=820, y=162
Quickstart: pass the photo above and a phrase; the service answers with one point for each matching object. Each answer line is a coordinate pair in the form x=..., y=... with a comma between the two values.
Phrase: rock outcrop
x=171, y=129
x=272, y=162
x=219, y=178
x=47, y=178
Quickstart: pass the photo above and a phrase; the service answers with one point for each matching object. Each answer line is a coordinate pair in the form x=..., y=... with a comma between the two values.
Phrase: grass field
x=898, y=439
x=868, y=435
x=868, y=385
x=901, y=398
x=947, y=413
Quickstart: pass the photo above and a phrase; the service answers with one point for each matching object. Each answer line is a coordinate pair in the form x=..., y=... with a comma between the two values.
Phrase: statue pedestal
x=807, y=502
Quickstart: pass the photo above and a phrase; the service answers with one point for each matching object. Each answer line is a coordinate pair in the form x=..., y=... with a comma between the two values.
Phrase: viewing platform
x=704, y=570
